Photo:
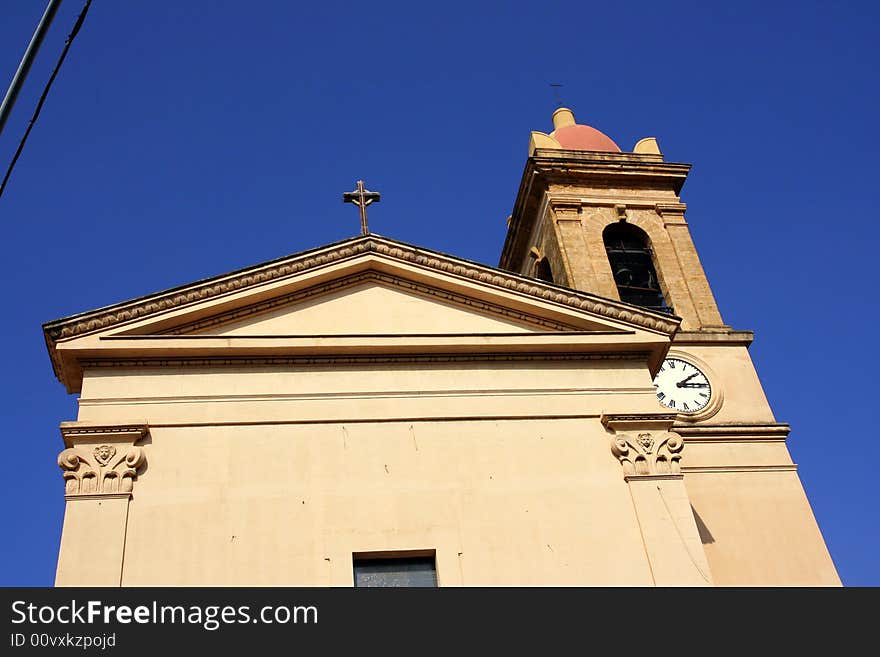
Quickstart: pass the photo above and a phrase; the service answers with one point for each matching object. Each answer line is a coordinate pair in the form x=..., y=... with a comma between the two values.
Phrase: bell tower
x=583, y=205
x=594, y=218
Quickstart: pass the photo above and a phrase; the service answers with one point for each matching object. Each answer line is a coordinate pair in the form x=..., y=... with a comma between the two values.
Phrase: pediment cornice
x=136, y=310
x=104, y=318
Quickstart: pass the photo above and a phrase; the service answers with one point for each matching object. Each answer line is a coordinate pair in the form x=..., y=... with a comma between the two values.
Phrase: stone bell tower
x=591, y=217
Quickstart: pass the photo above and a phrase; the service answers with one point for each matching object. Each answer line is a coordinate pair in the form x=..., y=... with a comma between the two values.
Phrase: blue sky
x=184, y=140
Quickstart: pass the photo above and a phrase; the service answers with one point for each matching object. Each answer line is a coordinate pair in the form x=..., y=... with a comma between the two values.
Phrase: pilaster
x=650, y=455
x=703, y=300
x=100, y=466
x=570, y=238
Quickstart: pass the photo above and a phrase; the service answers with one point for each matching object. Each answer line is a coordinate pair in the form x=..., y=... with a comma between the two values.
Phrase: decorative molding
x=351, y=395
x=648, y=453
x=102, y=470
x=732, y=469
x=369, y=277
x=638, y=421
x=670, y=208
x=712, y=337
x=654, y=477
x=356, y=359
x=79, y=432
x=137, y=309
x=614, y=175
x=566, y=210
x=776, y=432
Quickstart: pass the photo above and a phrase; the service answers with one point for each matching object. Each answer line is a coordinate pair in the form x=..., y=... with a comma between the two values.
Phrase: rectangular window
x=395, y=569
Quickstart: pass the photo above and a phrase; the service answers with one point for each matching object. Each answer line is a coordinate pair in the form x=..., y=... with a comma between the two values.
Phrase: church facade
x=376, y=413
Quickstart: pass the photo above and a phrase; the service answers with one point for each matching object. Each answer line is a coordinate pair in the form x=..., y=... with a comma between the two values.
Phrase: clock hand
x=682, y=383
x=692, y=385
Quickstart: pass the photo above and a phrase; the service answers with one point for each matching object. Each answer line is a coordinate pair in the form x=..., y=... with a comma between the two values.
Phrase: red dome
x=584, y=138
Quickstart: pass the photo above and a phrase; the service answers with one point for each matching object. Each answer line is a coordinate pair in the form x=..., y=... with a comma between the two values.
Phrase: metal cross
x=362, y=198
x=556, y=86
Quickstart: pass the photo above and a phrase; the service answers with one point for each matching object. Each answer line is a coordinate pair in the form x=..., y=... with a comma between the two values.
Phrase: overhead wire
x=70, y=37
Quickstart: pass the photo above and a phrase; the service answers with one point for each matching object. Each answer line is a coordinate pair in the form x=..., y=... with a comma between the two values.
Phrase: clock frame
x=694, y=375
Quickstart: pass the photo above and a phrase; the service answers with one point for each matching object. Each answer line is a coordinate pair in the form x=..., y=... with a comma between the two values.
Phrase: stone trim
x=367, y=277
x=638, y=421
x=97, y=320
x=671, y=213
x=699, y=469
x=100, y=471
x=648, y=453
x=82, y=497
x=729, y=433
x=602, y=170
x=654, y=477
x=651, y=448
x=713, y=336
x=101, y=460
x=71, y=432
x=354, y=359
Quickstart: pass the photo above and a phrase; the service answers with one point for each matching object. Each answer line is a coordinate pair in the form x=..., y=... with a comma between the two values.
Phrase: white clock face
x=681, y=386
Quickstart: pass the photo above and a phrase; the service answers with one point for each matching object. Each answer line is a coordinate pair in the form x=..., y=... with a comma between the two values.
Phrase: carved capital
x=672, y=213
x=566, y=210
x=648, y=453
x=100, y=470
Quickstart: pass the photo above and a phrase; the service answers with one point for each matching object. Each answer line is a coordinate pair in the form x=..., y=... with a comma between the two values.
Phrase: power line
x=70, y=38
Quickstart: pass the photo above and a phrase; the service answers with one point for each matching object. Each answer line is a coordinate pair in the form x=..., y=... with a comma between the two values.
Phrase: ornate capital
x=100, y=470
x=648, y=453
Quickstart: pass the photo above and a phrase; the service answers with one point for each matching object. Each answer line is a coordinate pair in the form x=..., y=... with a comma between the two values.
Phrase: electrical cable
x=70, y=38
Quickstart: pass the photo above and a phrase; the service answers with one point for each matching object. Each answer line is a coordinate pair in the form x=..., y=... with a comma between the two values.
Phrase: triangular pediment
x=368, y=304
x=329, y=298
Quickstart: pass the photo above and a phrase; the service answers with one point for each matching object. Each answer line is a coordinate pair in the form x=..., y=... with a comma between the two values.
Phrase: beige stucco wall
x=264, y=475
x=369, y=309
x=277, y=475
x=758, y=529
x=381, y=392
x=501, y=502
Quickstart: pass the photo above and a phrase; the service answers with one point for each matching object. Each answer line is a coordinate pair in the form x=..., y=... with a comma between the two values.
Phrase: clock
x=682, y=386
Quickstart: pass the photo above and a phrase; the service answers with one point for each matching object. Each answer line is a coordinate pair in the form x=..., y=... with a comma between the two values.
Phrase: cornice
x=735, y=469
x=366, y=277
x=73, y=432
x=635, y=421
x=566, y=164
x=137, y=309
x=357, y=359
x=710, y=337
x=583, y=169
x=727, y=433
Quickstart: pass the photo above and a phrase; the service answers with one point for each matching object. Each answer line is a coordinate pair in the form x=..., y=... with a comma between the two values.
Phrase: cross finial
x=556, y=86
x=362, y=198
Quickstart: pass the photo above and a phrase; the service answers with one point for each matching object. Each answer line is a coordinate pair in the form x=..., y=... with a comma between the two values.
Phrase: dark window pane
x=633, y=266
x=404, y=571
x=543, y=271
